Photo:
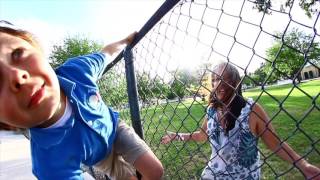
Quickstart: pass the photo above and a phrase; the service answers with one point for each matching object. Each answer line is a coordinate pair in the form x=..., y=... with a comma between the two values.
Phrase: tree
x=288, y=55
x=307, y=6
x=310, y=7
x=72, y=47
x=261, y=76
x=113, y=88
x=263, y=5
x=149, y=88
x=183, y=83
x=144, y=87
x=159, y=87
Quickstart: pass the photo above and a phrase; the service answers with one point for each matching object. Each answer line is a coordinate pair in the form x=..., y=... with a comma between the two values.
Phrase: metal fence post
x=132, y=92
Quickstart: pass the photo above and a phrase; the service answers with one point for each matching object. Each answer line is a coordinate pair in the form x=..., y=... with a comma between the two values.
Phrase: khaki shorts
x=127, y=148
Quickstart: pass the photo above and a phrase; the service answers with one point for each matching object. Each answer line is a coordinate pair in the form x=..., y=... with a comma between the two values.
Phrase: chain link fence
x=273, y=44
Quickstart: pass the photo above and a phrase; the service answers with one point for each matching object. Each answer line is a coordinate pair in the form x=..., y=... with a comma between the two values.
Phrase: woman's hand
x=168, y=138
x=309, y=170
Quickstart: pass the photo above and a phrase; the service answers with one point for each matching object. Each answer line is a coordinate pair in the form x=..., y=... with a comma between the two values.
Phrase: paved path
x=15, y=162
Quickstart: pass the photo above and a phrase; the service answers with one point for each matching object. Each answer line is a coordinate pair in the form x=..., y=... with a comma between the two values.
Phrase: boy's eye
x=17, y=53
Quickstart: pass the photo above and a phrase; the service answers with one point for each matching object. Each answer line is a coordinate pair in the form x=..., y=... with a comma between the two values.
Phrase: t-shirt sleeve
x=91, y=66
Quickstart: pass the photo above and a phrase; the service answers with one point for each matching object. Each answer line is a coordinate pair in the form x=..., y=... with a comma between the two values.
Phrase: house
x=310, y=71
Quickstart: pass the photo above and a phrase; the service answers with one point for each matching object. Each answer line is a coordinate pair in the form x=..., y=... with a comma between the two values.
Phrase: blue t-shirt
x=88, y=135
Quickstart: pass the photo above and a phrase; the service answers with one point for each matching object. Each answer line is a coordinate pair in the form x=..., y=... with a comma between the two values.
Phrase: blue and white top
x=87, y=136
x=234, y=156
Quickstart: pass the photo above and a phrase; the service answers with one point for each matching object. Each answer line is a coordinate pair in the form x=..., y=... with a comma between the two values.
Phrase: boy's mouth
x=37, y=97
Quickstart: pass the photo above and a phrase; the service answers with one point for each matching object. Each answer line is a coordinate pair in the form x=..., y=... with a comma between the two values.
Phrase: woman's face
x=29, y=88
x=222, y=87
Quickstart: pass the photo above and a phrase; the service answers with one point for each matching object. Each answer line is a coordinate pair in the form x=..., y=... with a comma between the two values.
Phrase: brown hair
x=237, y=101
x=22, y=34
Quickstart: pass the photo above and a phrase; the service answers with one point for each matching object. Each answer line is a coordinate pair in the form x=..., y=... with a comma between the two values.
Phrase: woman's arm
x=200, y=135
x=261, y=126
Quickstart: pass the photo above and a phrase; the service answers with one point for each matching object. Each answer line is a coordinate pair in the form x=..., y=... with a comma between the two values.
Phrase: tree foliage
x=177, y=89
x=309, y=6
x=113, y=88
x=263, y=5
x=149, y=88
x=183, y=83
x=257, y=78
x=72, y=47
x=288, y=55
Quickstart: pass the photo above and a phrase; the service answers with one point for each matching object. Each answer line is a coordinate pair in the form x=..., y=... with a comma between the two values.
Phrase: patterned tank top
x=234, y=156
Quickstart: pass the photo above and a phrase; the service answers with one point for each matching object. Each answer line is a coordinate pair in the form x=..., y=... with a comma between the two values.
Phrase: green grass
x=294, y=112
x=295, y=115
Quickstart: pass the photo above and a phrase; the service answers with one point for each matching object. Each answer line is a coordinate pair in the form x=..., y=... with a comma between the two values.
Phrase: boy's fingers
x=130, y=38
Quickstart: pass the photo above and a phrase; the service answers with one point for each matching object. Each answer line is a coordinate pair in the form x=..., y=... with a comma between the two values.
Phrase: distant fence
x=163, y=83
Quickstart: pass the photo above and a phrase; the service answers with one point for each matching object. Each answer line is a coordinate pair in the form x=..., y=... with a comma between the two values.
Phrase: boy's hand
x=116, y=46
x=129, y=38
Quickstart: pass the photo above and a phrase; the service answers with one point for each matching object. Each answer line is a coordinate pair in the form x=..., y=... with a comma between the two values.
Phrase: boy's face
x=29, y=88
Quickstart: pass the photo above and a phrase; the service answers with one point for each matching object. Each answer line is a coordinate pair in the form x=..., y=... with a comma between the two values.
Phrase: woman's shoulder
x=256, y=107
x=253, y=107
x=257, y=117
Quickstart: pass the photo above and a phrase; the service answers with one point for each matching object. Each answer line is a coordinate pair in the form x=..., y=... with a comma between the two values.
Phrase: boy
x=68, y=121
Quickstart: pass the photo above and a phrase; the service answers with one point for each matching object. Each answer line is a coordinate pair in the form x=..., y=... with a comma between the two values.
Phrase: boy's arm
x=111, y=48
x=92, y=65
x=264, y=129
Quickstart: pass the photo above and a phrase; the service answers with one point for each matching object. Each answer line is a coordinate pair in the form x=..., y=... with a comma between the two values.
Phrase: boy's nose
x=17, y=77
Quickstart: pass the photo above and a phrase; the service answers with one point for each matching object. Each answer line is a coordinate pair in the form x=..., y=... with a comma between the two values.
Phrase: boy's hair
x=8, y=28
x=237, y=102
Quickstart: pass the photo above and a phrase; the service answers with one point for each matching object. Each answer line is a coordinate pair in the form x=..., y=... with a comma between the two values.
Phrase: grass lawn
x=294, y=112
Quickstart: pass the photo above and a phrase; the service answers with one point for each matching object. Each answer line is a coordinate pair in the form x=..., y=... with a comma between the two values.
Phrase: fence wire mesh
x=275, y=47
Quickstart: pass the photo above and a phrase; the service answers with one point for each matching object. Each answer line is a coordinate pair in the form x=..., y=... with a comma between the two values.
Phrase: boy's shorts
x=127, y=148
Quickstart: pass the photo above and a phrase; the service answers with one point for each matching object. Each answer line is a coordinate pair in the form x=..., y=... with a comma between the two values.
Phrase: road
x=15, y=161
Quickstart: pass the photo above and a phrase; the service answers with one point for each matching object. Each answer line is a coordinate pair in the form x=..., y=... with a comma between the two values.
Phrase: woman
x=233, y=126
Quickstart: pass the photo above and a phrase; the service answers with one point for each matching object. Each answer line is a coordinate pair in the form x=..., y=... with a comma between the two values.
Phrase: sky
x=101, y=20
x=109, y=20
x=198, y=40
